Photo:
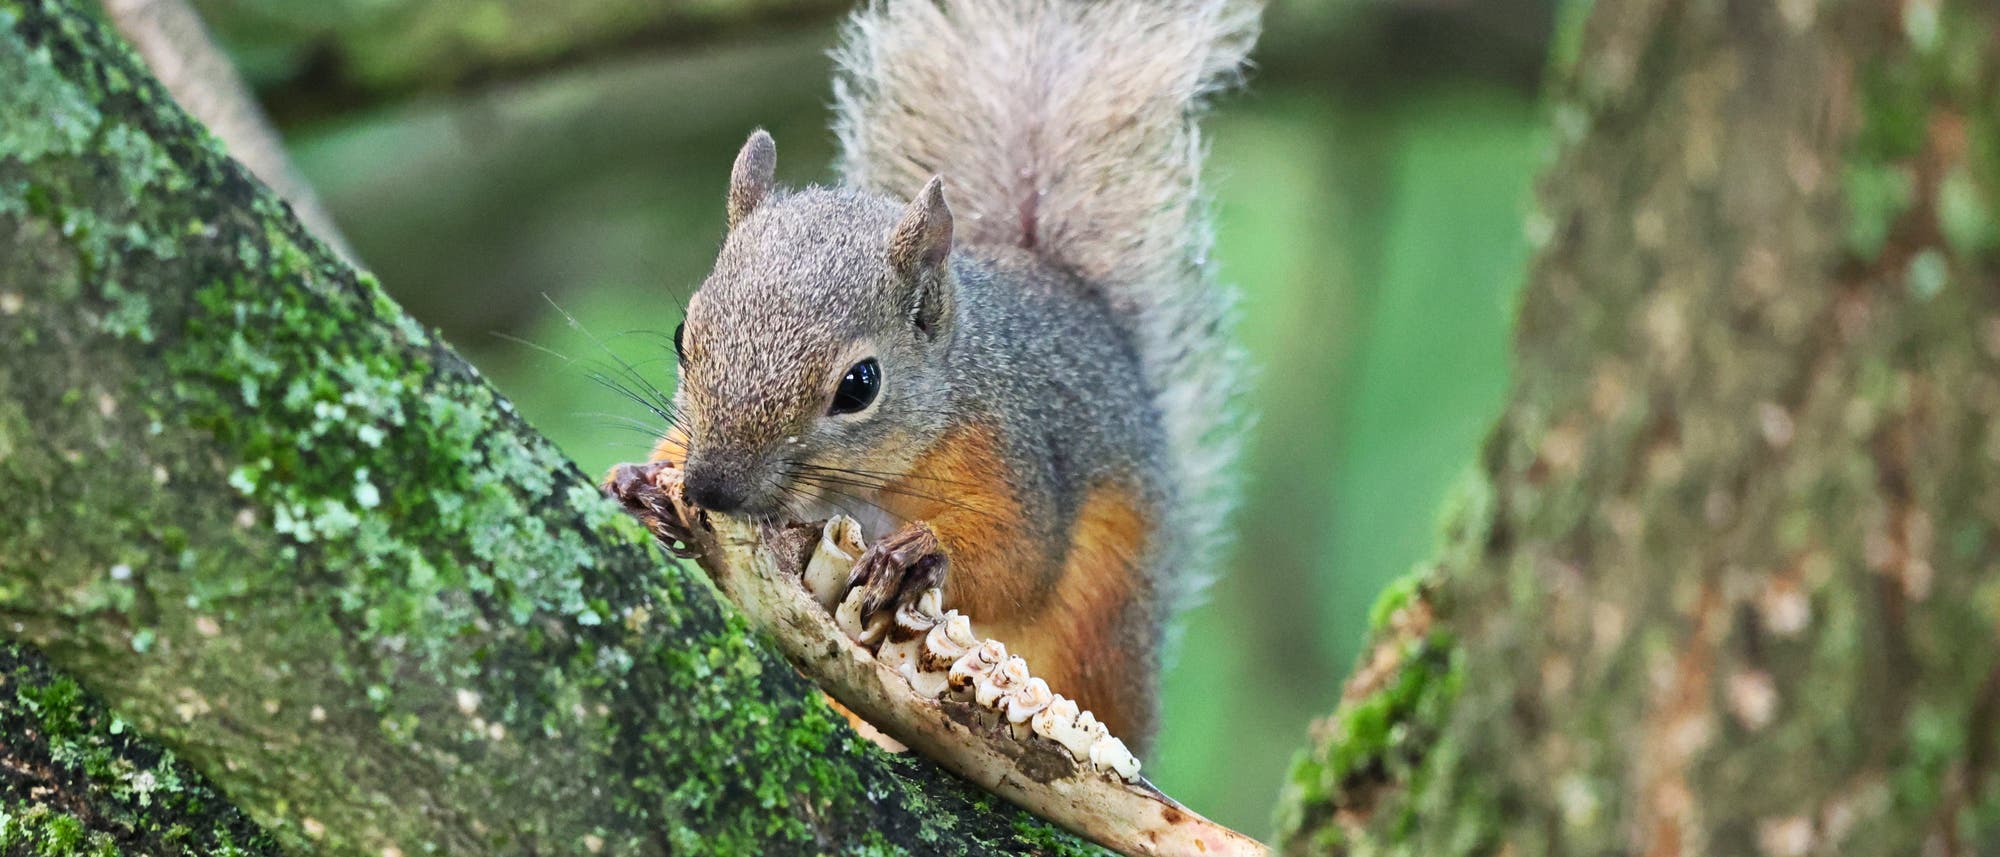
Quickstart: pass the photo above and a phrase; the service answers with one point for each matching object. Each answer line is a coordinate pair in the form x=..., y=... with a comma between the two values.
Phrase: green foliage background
x=1370, y=187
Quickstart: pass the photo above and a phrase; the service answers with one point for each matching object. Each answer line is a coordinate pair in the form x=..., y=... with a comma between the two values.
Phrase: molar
x=913, y=620
x=848, y=617
x=1057, y=723
x=968, y=670
x=826, y=570
x=1110, y=754
x=999, y=682
x=929, y=684
x=1032, y=696
x=948, y=641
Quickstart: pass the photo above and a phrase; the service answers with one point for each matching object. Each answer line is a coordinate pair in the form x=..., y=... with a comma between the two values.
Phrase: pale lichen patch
x=1787, y=836
x=1753, y=698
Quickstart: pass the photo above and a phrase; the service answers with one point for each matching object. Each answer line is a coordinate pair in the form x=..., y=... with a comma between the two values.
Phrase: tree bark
x=281, y=529
x=180, y=52
x=1726, y=580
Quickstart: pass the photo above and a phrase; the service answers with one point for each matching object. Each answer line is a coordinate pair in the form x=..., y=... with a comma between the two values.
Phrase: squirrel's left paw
x=646, y=491
x=899, y=569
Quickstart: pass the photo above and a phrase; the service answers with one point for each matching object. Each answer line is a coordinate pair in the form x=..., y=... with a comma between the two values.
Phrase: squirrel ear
x=918, y=249
x=751, y=179
x=923, y=238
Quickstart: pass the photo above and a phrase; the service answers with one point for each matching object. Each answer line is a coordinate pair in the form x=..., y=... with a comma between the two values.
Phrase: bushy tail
x=1068, y=127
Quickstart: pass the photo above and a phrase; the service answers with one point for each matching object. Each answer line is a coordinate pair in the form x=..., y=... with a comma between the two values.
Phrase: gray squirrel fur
x=1083, y=114
x=1021, y=242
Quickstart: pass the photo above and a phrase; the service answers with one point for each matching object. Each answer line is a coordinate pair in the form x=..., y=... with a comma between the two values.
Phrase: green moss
x=69, y=753
x=1567, y=44
x=65, y=119
x=1964, y=216
x=44, y=832
x=1375, y=748
x=1397, y=595
x=1041, y=839
x=1878, y=195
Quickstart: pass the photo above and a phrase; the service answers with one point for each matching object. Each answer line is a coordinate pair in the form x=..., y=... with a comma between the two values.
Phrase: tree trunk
x=280, y=528
x=1728, y=580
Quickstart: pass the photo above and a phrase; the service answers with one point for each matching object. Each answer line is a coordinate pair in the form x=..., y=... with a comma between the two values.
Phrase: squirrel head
x=812, y=357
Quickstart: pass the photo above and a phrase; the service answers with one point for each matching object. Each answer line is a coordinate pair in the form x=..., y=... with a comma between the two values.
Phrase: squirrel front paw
x=898, y=569
x=647, y=491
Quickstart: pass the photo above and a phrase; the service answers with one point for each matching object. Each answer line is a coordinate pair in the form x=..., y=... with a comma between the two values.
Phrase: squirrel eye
x=679, y=353
x=857, y=388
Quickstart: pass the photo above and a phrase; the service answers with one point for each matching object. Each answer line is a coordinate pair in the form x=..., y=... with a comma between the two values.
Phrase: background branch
x=338, y=56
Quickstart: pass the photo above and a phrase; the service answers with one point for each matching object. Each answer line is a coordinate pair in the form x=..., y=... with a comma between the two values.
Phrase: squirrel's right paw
x=646, y=491
x=899, y=569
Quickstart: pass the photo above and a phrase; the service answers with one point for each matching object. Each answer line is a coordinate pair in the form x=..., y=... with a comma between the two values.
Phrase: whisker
x=616, y=386
x=653, y=399
x=530, y=344
x=872, y=484
x=886, y=476
x=828, y=482
x=849, y=510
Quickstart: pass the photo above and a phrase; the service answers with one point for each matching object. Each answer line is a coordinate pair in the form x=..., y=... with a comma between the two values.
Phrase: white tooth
x=848, y=617
x=986, y=691
x=1076, y=741
x=1059, y=714
x=931, y=605
x=993, y=689
x=912, y=622
x=1013, y=672
x=896, y=655
x=1088, y=723
x=948, y=641
x=1109, y=754
x=929, y=685
x=958, y=627
x=967, y=670
x=1032, y=696
x=832, y=560
x=1058, y=723
x=1087, y=731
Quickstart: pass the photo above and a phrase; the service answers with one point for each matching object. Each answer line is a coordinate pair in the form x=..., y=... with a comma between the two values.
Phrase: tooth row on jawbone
x=936, y=651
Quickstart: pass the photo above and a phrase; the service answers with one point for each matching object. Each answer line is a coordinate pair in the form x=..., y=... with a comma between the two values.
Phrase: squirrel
x=997, y=343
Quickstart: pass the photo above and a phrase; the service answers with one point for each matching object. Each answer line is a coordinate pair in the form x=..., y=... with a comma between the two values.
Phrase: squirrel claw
x=898, y=570
x=646, y=492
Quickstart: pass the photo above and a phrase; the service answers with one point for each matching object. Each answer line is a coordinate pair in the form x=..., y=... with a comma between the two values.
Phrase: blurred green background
x=1370, y=185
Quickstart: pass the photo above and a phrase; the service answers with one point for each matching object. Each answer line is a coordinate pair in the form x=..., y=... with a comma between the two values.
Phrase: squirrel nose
x=706, y=488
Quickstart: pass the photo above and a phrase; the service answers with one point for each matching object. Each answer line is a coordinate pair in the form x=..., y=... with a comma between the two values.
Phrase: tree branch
x=284, y=530
x=346, y=55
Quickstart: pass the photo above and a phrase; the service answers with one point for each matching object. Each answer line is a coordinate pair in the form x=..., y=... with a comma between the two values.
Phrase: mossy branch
x=281, y=529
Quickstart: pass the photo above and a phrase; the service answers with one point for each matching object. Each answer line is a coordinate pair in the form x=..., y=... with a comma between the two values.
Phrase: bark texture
x=1729, y=578
x=183, y=56
x=280, y=528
